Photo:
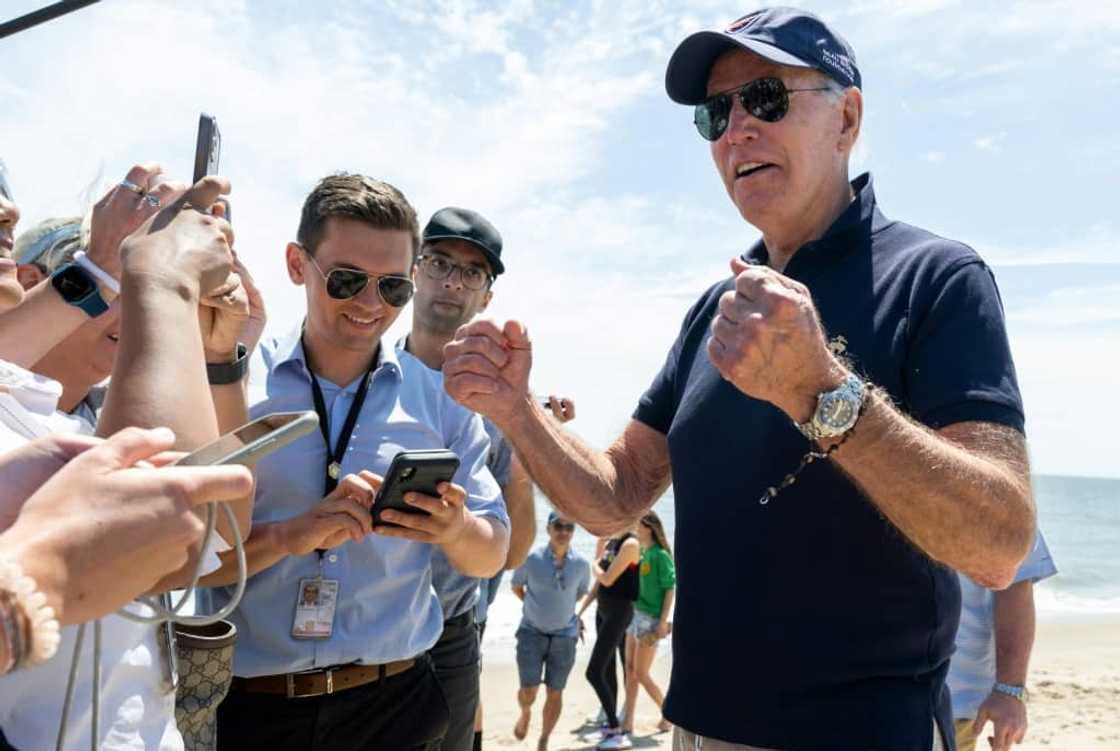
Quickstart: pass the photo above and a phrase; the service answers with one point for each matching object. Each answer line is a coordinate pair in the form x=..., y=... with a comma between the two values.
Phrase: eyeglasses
x=440, y=267
x=764, y=98
x=342, y=284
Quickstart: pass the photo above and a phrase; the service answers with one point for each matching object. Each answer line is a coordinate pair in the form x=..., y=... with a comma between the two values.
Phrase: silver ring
x=153, y=200
x=129, y=185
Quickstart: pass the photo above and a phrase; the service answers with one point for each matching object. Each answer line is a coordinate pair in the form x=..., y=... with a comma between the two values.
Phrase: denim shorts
x=643, y=624
x=537, y=652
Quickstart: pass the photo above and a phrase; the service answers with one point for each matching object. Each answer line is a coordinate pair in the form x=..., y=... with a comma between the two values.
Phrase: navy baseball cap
x=453, y=223
x=788, y=36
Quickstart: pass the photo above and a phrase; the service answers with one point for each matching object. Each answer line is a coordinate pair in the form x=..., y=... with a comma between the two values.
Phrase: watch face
x=73, y=283
x=836, y=411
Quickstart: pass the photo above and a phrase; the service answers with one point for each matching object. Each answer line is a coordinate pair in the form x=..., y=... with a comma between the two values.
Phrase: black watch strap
x=229, y=372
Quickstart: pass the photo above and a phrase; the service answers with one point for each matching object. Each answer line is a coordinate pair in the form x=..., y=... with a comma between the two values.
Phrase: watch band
x=221, y=374
x=78, y=287
x=852, y=387
x=1008, y=689
x=99, y=273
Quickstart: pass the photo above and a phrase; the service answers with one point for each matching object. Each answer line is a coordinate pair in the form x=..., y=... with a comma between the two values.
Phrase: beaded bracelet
x=13, y=633
x=42, y=627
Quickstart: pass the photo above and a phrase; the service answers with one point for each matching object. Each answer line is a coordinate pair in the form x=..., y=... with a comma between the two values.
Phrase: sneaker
x=619, y=740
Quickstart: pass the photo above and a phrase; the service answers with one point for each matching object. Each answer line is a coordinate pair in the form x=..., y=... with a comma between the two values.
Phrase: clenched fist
x=767, y=340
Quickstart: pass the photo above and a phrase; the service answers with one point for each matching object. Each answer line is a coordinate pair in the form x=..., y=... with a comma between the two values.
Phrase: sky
x=992, y=123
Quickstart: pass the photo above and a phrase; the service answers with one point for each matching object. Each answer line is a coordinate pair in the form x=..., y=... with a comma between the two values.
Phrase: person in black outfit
x=616, y=589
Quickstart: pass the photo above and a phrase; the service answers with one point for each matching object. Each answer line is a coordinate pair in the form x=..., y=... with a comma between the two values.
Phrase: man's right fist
x=486, y=368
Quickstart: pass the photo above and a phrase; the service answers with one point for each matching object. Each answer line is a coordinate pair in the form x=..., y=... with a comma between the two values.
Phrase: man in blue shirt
x=988, y=674
x=840, y=420
x=550, y=583
x=460, y=259
x=347, y=669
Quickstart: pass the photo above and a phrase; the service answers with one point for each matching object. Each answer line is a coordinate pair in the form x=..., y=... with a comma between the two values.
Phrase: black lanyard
x=334, y=456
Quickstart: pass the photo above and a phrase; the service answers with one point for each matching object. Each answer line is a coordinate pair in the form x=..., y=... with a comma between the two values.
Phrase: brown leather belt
x=320, y=682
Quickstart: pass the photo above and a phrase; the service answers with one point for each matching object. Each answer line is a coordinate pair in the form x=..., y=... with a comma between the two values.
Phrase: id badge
x=316, y=601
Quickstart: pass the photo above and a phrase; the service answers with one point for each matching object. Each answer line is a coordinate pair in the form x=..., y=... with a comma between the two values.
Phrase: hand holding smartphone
x=413, y=472
x=208, y=153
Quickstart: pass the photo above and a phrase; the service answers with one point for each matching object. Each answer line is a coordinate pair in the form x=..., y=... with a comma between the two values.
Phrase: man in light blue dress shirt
x=338, y=613
x=551, y=583
x=988, y=672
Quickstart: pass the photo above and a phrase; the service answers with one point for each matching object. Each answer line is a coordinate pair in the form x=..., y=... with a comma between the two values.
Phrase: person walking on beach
x=550, y=583
x=616, y=589
x=988, y=674
x=651, y=624
x=840, y=420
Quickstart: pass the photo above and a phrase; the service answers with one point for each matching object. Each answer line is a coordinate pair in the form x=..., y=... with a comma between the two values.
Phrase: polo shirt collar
x=862, y=216
x=289, y=350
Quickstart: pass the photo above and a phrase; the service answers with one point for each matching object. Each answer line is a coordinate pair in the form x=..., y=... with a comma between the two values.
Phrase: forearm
x=159, y=378
x=481, y=549
x=589, y=599
x=1013, y=617
x=667, y=605
x=518, y=495
x=34, y=327
x=603, y=492
x=264, y=548
x=962, y=496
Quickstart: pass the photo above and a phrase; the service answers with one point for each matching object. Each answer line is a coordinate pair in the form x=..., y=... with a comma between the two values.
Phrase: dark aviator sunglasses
x=342, y=284
x=764, y=98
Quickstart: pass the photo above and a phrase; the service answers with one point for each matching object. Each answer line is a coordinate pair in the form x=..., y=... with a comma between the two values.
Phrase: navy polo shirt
x=811, y=623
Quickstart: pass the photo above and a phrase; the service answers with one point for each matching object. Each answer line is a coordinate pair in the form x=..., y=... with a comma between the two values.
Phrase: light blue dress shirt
x=972, y=671
x=387, y=608
x=552, y=592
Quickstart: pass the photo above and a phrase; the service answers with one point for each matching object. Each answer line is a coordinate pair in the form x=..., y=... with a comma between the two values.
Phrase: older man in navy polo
x=840, y=420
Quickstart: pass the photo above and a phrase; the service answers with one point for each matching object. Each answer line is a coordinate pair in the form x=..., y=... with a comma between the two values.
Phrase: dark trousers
x=456, y=660
x=611, y=619
x=405, y=711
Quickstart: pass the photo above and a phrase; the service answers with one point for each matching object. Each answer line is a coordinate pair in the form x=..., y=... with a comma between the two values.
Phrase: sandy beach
x=1074, y=693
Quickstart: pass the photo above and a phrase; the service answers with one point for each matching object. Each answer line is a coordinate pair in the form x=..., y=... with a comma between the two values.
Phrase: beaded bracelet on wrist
x=42, y=630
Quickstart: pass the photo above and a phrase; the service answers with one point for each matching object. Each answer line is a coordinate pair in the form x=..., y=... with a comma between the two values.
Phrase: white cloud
x=992, y=144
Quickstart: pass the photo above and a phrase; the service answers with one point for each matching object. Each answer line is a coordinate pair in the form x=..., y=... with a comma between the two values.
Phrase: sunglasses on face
x=342, y=284
x=563, y=527
x=764, y=98
x=439, y=267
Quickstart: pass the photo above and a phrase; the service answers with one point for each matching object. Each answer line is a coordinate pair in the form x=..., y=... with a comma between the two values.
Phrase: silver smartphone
x=252, y=441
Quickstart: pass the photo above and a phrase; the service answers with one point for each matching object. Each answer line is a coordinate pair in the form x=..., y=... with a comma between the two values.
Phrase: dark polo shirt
x=812, y=624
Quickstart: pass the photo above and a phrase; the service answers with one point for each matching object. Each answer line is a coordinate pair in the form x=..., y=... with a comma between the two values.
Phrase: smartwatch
x=78, y=288
x=224, y=373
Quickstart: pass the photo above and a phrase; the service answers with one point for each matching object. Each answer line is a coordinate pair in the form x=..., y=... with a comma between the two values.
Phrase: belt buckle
x=291, y=687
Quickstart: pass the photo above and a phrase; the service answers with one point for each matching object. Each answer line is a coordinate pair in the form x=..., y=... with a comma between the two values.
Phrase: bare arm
x=480, y=549
x=1014, y=620
x=961, y=494
x=628, y=555
x=519, y=591
x=590, y=598
x=44, y=312
x=518, y=494
x=603, y=491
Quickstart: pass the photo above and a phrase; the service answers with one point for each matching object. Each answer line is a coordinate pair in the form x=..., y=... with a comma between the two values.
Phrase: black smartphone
x=249, y=443
x=208, y=147
x=413, y=472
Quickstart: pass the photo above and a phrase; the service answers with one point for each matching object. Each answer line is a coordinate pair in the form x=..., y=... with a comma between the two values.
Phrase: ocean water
x=1078, y=516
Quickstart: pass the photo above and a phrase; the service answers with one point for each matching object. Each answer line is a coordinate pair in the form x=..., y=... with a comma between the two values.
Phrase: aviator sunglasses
x=342, y=284
x=764, y=98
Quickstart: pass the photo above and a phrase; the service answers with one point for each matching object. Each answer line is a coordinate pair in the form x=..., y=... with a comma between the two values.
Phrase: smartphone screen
x=238, y=442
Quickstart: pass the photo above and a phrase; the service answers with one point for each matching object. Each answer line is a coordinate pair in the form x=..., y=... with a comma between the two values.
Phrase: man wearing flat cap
x=460, y=259
x=840, y=420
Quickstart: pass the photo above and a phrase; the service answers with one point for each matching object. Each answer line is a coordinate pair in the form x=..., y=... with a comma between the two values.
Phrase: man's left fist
x=767, y=340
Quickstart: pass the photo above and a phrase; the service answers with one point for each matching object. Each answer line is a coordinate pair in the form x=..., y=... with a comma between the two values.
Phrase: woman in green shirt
x=652, y=612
